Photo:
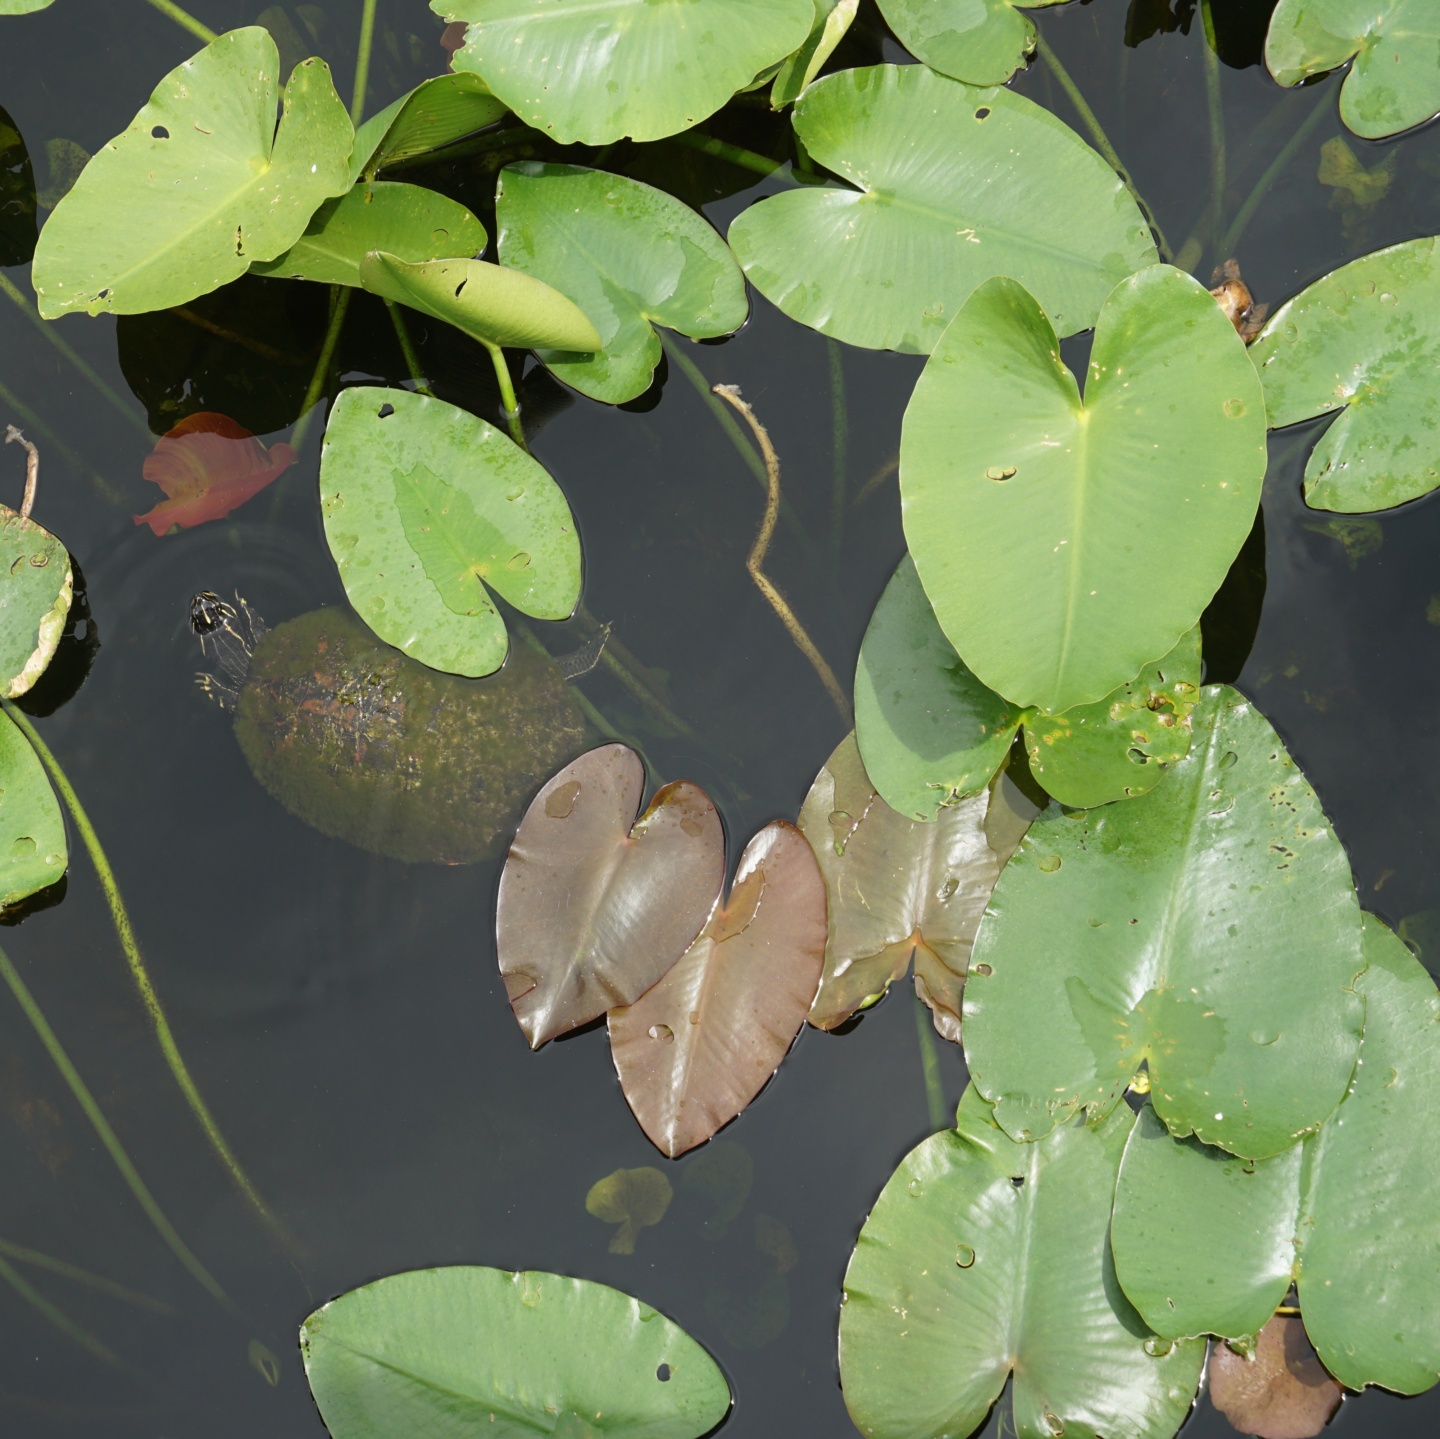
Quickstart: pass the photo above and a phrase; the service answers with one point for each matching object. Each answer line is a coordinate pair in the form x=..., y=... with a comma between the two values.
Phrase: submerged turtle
x=370, y=746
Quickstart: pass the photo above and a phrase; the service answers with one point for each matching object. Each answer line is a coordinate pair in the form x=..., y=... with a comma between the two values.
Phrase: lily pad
x=955, y=184
x=596, y=905
x=33, y=852
x=493, y=305
x=23, y=7
x=982, y=41
x=1362, y=343
x=1394, y=83
x=1205, y=1244
x=35, y=593
x=986, y=1260
x=833, y=19
x=597, y=73
x=1281, y=1391
x=1208, y=929
x=435, y=113
x=899, y=887
x=483, y=1351
x=199, y=186
x=631, y=256
x=407, y=221
x=633, y=1199
x=1066, y=542
x=426, y=509
x=697, y=1047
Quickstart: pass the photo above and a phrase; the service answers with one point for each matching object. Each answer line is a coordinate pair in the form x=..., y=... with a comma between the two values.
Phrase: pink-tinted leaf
x=899, y=887
x=592, y=911
x=693, y=1051
x=208, y=465
x=1283, y=1392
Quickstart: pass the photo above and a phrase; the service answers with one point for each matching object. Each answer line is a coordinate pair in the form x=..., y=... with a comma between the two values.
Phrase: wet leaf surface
x=1282, y=1392
x=899, y=887
x=983, y=43
x=633, y=1199
x=37, y=583
x=483, y=1351
x=833, y=19
x=33, y=853
x=435, y=112
x=696, y=1048
x=596, y=905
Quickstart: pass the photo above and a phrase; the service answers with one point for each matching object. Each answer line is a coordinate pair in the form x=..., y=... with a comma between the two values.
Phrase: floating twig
x=32, y=468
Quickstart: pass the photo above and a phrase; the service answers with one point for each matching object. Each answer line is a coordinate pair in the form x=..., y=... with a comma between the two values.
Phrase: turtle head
x=228, y=635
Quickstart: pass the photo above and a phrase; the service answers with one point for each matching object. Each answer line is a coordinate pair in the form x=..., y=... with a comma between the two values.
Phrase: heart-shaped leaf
x=596, y=905
x=632, y=256
x=1205, y=1244
x=426, y=507
x=696, y=1048
x=598, y=72
x=468, y=1351
x=200, y=185
x=898, y=887
x=1208, y=929
x=955, y=185
x=982, y=41
x=434, y=113
x=1039, y=521
x=833, y=19
x=33, y=853
x=34, y=601
x=407, y=221
x=1362, y=343
x=494, y=305
x=985, y=1260
x=634, y=1199
x=1280, y=1391
x=1394, y=83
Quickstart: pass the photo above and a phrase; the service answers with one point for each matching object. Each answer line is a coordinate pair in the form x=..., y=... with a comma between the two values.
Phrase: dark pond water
x=342, y=1013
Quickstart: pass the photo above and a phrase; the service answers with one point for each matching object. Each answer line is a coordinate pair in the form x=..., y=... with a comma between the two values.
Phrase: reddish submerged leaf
x=693, y=1051
x=1284, y=1392
x=592, y=911
x=208, y=465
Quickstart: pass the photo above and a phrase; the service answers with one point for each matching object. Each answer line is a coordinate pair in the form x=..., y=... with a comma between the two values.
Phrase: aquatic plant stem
x=340, y=303
x=724, y=150
x=107, y=1136
x=16, y=405
x=47, y=329
x=362, y=62
x=141, y=975
x=407, y=348
x=49, y=1312
x=186, y=22
x=930, y=1067
x=1256, y=197
x=621, y=661
x=32, y=468
x=756, y=561
x=1215, y=104
x=1100, y=138
x=839, y=451
x=21, y=1254
x=507, y=394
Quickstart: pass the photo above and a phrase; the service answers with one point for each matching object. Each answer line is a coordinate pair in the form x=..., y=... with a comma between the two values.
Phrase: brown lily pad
x=1282, y=1391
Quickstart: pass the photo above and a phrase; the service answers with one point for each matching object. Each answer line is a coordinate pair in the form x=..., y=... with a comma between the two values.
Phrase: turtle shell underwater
x=370, y=746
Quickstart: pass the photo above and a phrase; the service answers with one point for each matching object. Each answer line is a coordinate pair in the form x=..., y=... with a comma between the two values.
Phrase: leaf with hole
x=483, y=1351
x=435, y=113
x=698, y=1046
x=983, y=42
x=632, y=257
x=1066, y=542
x=952, y=185
x=1281, y=1391
x=426, y=510
x=833, y=19
x=199, y=186
x=898, y=887
x=1208, y=930
x=596, y=905
x=985, y=1260
x=1362, y=344
x=33, y=852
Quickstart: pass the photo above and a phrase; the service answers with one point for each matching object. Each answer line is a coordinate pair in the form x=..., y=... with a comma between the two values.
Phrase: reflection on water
x=342, y=1011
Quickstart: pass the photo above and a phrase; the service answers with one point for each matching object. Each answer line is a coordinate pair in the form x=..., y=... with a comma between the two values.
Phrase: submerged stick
x=755, y=562
x=32, y=468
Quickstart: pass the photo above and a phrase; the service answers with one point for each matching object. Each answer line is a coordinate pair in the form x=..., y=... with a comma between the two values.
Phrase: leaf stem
x=407, y=348
x=13, y=402
x=930, y=1067
x=141, y=975
x=839, y=451
x=756, y=560
x=1215, y=104
x=186, y=22
x=339, y=304
x=724, y=150
x=48, y=1311
x=362, y=62
x=1100, y=138
x=107, y=1136
x=21, y=1254
x=1253, y=200
x=507, y=394
x=32, y=468
x=47, y=329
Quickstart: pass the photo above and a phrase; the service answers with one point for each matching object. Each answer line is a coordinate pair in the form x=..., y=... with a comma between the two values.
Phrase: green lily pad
x=1064, y=542
x=1362, y=343
x=982, y=41
x=199, y=186
x=898, y=887
x=985, y=1260
x=493, y=305
x=35, y=593
x=33, y=853
x=425, y=508
x=955, y=184
x=410, y=222
x=645, y=69
x=1394, y=83
x=1208, y=929
x=833, y=19
x=435, y=113
x=23, y=7
x=631, y=256
x=1205, y=1244
x=467, y=1351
